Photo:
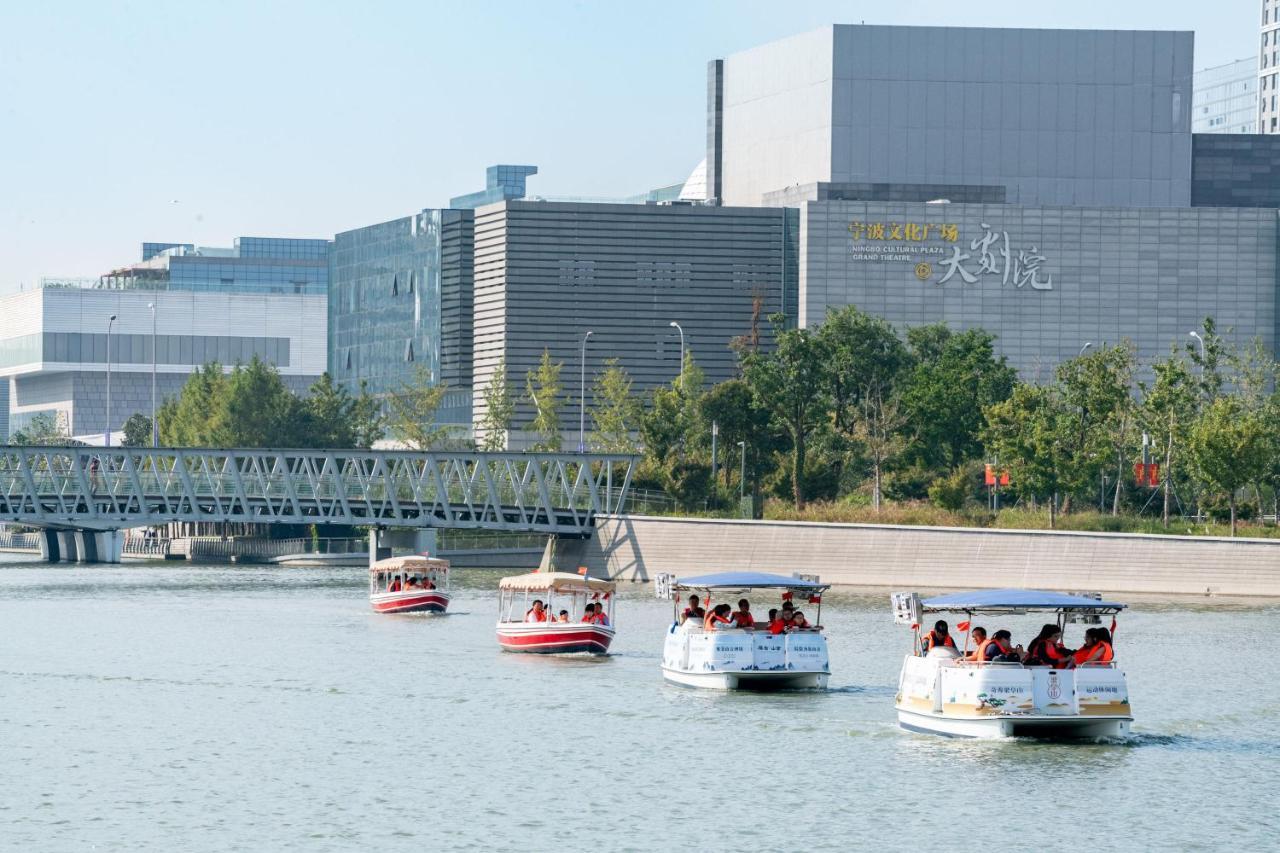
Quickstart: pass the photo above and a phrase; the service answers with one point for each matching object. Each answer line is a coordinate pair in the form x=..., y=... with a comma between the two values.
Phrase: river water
x=175, y=707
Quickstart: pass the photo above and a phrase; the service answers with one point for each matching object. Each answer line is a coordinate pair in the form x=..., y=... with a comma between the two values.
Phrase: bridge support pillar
x=50, y=551
x=563, y=554
x=99, y=546
x=68, y=546
x=377, y=551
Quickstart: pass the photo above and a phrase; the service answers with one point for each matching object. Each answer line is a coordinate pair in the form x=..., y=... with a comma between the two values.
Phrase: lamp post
x=677, y=327
x=1196, y=335
x=1087, y=344
x=742, y=475
x=155, y=427
x=107, y=437
x=582, y=396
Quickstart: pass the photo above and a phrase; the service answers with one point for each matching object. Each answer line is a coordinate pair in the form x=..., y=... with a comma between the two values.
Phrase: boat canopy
x=556, y=582
x=1011, y=600
x=747, y=580
x=414, y=563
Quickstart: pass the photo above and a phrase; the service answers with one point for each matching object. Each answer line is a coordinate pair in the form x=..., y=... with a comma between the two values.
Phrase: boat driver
x=694, y=603
x=938, y=637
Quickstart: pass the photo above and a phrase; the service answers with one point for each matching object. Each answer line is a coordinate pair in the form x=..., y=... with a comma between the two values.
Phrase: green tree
x=260, y=410
x=412, y=410
x=542, y=386
x=499, y=410
x=197, y=417
x=792, y=382
x=865, y=362
x=615, y=413
x=43, y=428
x=331, y=417
x=1031, y=433
x=1097, y=387
x=137, y=431
x=1230, y=447
x=1167, y=412
x=955, y=377
x=1209, y=358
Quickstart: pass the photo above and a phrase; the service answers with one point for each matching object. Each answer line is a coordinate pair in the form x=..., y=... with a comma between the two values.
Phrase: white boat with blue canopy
x=996, y=690
x=737, y=655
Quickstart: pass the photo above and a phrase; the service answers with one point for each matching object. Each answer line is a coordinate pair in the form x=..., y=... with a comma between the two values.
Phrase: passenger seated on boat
x=428, y=583
x=564, y=616
x=536, y=613
x=395, y=584
x=718, y=619
x=784, y=623
x=798, y=622
x=1096, y=649
x=979, y=635
x=694, y=602
x=412, y=583
x=1047, y=649
x=743, y=618
x=601, y=618
x=939, y=636
x=1000, y=649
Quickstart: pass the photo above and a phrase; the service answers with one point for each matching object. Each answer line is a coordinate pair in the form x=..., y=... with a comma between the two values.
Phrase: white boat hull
x=748, y=680
x=1010, y=726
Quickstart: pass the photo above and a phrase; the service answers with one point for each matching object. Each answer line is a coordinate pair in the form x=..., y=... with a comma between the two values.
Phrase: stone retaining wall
x=638, y=547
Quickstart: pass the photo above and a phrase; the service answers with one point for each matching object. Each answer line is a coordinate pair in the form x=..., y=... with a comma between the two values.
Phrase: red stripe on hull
x=557, y=642
x=415, y=604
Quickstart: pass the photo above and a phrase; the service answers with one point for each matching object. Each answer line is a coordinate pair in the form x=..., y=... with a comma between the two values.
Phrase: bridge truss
x=111, y=488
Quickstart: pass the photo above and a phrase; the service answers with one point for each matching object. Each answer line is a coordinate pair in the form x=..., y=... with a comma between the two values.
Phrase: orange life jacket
x=744, y=619
x=538, y=616
x=714, y=619
x=931, y=640
x=1085, y=655
x=1000, y=647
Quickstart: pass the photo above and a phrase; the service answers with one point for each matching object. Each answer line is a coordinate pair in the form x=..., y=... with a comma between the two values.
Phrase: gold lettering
x=875, y=231
x=895, y=231
x=950, y=233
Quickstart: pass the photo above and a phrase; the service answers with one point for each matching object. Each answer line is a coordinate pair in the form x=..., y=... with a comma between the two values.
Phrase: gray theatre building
x=1042, y=184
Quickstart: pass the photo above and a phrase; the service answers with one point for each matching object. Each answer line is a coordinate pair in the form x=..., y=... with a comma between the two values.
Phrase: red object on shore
x=1146, y=474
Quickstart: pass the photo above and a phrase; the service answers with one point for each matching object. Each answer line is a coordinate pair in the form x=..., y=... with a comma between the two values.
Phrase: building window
x=395, y=285
x=408, y=350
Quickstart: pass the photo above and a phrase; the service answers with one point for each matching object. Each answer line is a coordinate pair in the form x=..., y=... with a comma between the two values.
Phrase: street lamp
x=742, y=474
x=1087, y=344
x=110, y=323
x=582, y=396
x=677, y=327
x=155, y=427
x=1196, y=335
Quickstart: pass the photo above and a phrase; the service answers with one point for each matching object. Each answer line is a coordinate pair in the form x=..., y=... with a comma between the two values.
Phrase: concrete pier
x=81, y=546
x=638, y=547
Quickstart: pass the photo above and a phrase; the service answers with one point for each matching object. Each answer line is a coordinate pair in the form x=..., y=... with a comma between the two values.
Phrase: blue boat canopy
x=1017, y=599
x=746, y=580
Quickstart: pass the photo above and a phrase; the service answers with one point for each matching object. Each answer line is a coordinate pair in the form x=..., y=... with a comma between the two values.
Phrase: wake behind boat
x=413, y=584
x=555, y=613
x=708, y=650
x=998, y=690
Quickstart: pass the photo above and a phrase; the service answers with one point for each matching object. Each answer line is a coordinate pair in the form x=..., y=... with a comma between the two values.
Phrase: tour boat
x=414, y=584
x=745, y=658
x=563, y=598
x=943, y=693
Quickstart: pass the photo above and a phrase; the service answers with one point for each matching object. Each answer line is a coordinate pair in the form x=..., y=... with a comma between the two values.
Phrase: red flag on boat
x=815, y=599
x=962, y=626
x=582, y=570
x=786, y=596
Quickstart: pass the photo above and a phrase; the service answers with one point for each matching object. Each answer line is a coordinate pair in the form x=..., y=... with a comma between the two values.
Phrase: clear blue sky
x=197, y=122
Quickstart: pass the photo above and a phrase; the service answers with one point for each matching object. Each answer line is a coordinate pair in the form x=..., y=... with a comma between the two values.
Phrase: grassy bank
x=1015, y=518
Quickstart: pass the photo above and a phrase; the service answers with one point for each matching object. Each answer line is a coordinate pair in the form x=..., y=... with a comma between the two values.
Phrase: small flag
x=815, y=599
x=915, y=626
x=963, y=626
x=582, y=570
x=786, y=596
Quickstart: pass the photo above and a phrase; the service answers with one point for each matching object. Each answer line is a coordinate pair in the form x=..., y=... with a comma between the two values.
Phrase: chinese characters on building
x=991, y=254
x=913, y=232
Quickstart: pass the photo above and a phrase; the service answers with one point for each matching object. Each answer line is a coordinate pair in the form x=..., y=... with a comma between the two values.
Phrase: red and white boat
x=545, y=612
x=413, y=584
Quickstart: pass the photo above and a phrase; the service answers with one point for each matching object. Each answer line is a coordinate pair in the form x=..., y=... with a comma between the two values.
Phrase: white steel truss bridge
x=95, y=488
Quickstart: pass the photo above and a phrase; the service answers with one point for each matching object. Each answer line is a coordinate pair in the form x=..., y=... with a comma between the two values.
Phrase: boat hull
x=1009, y=726
x=555, y=638
x=415, y=601
x=748, y=680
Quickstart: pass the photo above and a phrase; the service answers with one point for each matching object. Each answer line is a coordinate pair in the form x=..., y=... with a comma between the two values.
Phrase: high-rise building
x=1224, y=99
x=1267, y=68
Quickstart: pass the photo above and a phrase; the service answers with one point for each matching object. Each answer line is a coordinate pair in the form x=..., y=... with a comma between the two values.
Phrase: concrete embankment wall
x=638, y=547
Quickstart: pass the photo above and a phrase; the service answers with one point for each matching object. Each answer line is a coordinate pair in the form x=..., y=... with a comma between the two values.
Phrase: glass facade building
x=253, y=265
x=1224, y=99
x=397, y=290
x=501, y=183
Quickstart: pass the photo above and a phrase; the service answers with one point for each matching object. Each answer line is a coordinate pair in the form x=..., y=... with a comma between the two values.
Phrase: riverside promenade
x=632, y=547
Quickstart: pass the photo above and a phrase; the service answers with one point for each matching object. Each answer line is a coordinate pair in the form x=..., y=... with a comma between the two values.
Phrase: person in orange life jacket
x=743, y=618
x=395, y=584
x=1097, y=648
x=979, y=635
x=536, y=613
x=939, y=636
x=428, y=583
x=1047, y=649
x=602, y=618
x=718, y=619
x=589, y=613
x=798, y=621
x=784, y=624
x=563, y=617
x=412, y=583
x=694, y=603
x=1000, y=649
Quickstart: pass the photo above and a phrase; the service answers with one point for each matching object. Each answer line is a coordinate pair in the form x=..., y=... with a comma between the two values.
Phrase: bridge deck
x=108, y=488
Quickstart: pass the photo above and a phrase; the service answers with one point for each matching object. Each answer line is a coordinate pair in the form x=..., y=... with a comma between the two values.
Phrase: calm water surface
x=170, y=707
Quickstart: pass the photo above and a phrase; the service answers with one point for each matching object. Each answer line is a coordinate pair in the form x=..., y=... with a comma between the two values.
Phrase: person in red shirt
x=743, y=618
